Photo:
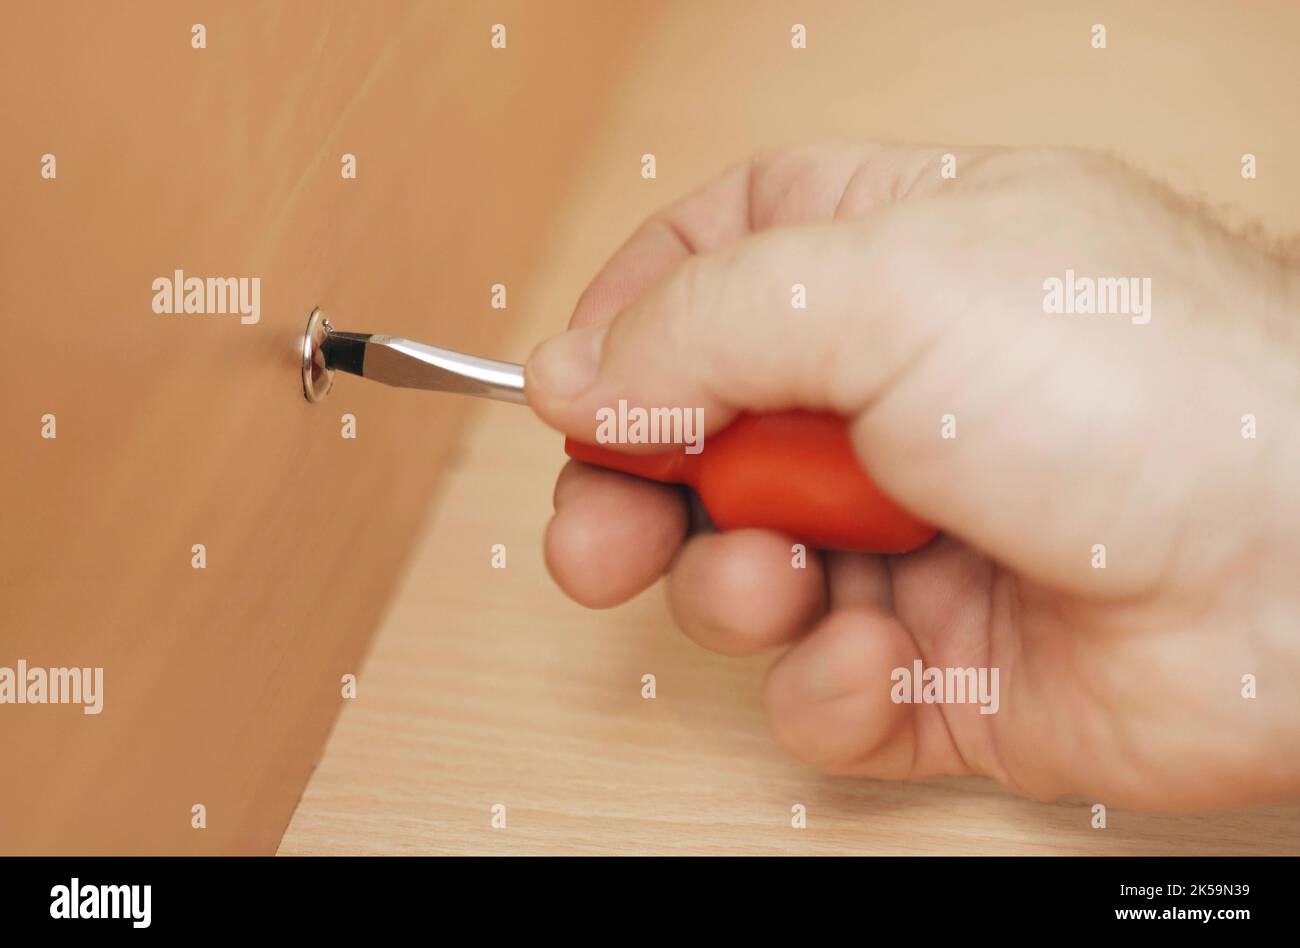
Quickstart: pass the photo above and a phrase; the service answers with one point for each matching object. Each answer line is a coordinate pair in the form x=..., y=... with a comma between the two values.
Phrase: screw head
x=317, y=377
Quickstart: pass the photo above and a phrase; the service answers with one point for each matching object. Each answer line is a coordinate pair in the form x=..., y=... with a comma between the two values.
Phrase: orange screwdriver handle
x=794, y=472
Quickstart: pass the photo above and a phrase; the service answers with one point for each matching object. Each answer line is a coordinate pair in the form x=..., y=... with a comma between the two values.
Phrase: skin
x=925, y=298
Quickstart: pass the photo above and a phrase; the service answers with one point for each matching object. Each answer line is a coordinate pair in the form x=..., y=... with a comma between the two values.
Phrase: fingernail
x=567, y=364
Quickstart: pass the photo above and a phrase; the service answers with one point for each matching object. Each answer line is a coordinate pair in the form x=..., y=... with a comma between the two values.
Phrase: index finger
x=783, y=188
x=711, y=217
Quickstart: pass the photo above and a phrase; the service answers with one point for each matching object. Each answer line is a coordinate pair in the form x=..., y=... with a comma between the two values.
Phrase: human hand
x=925, y=309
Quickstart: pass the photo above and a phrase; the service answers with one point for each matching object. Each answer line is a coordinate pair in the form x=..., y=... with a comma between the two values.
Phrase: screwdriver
x=794, y=472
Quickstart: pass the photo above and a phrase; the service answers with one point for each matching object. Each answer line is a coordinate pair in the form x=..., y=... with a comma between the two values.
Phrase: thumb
x=722, y=333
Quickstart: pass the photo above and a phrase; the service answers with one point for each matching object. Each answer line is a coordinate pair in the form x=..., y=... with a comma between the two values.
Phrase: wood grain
x=486, y=686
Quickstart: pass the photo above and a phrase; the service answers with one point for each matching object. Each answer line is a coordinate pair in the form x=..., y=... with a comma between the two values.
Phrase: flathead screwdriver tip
x=345, y=351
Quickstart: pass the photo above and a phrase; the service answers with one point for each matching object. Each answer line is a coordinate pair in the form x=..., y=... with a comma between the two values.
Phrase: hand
x=925, y=306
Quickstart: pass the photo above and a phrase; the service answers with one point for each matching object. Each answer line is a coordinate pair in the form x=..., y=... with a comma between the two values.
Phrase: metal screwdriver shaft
x=403, y=363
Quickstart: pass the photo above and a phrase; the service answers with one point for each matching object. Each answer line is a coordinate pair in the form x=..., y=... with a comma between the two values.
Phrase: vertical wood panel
x=221, y=684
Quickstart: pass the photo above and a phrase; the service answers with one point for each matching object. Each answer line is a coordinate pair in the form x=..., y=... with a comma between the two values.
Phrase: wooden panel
x=486, y=686
x=221, y=683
